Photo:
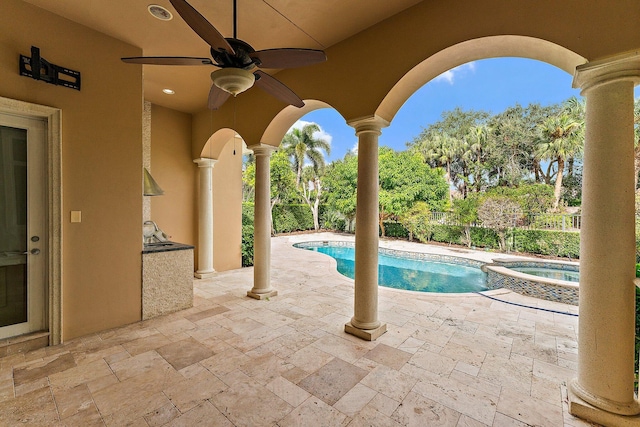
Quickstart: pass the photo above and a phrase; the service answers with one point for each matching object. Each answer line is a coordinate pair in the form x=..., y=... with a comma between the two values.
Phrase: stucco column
x=205, y=218
x=603, y=391
x=365, y=323
x=262, y=225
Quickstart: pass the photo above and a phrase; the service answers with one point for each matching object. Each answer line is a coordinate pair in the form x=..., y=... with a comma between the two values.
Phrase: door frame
x=53, y=195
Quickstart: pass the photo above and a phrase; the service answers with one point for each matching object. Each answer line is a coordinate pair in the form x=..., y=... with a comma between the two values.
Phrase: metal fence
x=562, y=222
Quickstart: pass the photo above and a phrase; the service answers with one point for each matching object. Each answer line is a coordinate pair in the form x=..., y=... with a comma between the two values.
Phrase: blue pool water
x=550, y=273
x=412, y=274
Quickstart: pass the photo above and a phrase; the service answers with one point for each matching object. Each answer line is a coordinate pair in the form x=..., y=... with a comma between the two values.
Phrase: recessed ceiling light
x=168, y=91
x=159, y=12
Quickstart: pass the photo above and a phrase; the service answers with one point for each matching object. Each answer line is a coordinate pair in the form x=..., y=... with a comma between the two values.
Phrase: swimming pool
x=550, y=273
x=545, y=279
x=410, y=270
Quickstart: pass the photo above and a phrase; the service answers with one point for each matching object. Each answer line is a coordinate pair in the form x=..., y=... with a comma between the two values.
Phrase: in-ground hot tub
x=502, y=273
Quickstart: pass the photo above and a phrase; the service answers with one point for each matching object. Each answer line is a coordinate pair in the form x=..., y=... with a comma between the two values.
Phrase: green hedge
x=287, y=218
x=447, y=233
x=543, y=242
x=247, y=235
x=484, y=238
x=394, y=229
x=547, y=242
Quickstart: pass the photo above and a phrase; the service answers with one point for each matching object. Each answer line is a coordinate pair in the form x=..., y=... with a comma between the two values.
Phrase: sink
x=159, y=244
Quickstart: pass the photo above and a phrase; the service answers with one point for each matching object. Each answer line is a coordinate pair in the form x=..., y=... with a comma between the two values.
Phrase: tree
x=477, y=146
x=560, y=138
x=510, y=146
x=311, y=191
x=443, y=150
x=447, y=144
x=301, y=144
x=500, y=214
x=466, y=213
x=282, y=186
x=404, y=180
x=532, y=198
x=417, y=221
x=340, y=182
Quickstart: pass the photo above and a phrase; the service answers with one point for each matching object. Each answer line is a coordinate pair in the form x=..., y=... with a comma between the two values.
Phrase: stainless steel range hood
x=151, y=187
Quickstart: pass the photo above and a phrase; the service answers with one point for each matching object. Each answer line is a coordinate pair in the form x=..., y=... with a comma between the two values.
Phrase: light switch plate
x=76, y=216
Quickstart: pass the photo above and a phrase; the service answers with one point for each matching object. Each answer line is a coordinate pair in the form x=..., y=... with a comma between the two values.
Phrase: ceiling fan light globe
x=233, y=80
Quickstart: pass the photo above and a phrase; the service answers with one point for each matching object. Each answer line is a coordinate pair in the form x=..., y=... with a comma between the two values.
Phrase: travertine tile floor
x=459, y=360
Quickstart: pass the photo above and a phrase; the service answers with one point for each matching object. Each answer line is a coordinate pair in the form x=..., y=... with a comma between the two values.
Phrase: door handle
x=35, y=251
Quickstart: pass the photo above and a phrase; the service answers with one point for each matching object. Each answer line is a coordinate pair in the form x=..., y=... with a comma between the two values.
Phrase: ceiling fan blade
x=167, y=60
x=287, y=57
x=217, y=97
x=276, y=88
x=201, y=26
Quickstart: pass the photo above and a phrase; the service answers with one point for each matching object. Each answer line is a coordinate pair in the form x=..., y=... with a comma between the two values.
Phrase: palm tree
x=560, y=138
x=478, y=136
x=442, y=150
x=300, y=144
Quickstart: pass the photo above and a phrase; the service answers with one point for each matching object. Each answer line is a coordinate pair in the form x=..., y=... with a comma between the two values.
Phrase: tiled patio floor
x=459, y=360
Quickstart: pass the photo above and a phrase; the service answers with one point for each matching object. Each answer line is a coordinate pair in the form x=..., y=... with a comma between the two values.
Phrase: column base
x=266, y=295
x=582, y=409
x=366, y=334
x=204, y=274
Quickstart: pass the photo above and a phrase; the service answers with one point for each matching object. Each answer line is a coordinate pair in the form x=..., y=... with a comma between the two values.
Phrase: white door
x=23, y=213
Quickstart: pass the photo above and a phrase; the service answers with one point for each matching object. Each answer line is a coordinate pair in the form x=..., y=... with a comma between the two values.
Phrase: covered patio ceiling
x=265, y=24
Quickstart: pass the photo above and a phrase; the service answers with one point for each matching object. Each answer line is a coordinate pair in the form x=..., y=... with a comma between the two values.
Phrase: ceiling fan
x=239, y=63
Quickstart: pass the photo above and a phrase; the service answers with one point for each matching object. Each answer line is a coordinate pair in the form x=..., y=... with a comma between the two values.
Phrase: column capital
x=623, y=67
x=368, y=124
x=262, y=149
x=205, y=162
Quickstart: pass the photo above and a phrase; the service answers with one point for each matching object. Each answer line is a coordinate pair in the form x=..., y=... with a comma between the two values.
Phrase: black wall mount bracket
x=38, y=68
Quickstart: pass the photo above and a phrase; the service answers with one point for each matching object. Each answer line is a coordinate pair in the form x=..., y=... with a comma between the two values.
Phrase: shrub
x=447, y=233
x=499, y=213
x=484, y=238
x=548, y=242
x=247, y=234
x=394, y=229
x=247, y=245
x=290, y=217
x=333, y=220
x=417, y=222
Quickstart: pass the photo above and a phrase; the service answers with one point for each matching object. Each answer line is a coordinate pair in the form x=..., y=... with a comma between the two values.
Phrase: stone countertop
x=165, y=247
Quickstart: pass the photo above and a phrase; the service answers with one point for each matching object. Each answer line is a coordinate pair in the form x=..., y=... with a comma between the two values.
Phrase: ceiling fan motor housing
x=241, y=59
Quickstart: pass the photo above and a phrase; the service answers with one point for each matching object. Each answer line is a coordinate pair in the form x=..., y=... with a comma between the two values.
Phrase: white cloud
x=449, y=76
x=321, y=134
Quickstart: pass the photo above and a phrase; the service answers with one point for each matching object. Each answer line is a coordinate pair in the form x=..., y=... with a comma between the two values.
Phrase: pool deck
x=446, y=360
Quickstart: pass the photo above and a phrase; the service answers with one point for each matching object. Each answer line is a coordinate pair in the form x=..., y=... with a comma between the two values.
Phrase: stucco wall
x=101, y=160
x=227, y=208
x=176, y=212
x=227, y=188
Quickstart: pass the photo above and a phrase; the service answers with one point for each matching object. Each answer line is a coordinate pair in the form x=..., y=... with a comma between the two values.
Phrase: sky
x=489, y=84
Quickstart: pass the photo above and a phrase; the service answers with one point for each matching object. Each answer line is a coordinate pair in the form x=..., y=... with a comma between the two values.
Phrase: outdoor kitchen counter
x=167, y=278
x=164, y=247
